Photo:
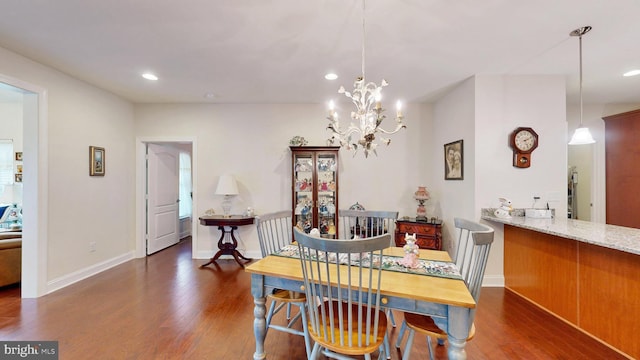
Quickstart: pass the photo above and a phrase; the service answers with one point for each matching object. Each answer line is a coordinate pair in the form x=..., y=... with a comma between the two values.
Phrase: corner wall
x=79, y=209
x=483, y=111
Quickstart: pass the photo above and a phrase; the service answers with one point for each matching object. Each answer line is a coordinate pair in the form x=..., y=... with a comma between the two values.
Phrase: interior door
x=162, y=197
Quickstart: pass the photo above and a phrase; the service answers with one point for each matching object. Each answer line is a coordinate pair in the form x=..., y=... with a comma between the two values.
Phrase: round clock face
x=524, y=140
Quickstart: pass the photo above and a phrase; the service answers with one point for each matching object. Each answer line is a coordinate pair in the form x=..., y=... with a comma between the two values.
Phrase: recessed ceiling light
x=331, y=76
x=209, y=95
x=149, y=76
x=632, y=73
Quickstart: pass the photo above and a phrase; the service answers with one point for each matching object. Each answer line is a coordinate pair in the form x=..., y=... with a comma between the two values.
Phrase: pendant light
x=581, y=136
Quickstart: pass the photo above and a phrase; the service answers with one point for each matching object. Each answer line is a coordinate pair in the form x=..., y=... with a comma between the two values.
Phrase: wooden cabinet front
x=428, y=235
x=621, y=151
x=315, y=188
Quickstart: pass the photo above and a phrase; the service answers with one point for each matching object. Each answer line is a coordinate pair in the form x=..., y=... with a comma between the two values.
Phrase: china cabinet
x=314, y=185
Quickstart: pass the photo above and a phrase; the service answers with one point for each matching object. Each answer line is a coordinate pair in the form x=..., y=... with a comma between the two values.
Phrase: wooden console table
x=428, y=235
x=228, y=247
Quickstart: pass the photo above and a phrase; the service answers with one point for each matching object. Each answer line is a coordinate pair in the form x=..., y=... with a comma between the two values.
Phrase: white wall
x=483, y=111
x=81, y=209
x=252, y=143
x=454, y=119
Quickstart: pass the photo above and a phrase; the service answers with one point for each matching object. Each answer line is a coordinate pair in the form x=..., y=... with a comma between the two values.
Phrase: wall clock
x=523, y=141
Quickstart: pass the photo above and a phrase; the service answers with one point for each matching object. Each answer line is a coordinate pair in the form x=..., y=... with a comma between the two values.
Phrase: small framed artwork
x=18, y=155
x=454, y=160
x=19, y=169
x=18, y=178
x=96, y=161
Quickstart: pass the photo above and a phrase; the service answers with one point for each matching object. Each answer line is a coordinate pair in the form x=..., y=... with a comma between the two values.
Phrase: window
x=185, y=185
x=6, y=162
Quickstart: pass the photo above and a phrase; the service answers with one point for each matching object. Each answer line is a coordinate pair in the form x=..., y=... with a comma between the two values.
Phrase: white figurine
x=411, y=252
x=504, y=209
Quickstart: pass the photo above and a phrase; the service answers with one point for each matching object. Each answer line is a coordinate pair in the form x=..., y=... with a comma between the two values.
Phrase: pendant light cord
x=580, y=41
x=363, y=39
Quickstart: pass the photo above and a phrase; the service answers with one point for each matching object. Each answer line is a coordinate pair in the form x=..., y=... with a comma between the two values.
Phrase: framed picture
x=19, y=169
x=18, y=155
x=96, y=161
x=453, y=161
x=18, y=178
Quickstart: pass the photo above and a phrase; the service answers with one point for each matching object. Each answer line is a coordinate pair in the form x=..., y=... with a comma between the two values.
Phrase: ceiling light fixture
x=632, y=73
x=581, y=136
x=331, y=76
x=368, y=115
x=149, y=76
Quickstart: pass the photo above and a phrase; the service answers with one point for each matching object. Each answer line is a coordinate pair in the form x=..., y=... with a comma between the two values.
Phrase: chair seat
x=287, y=296
x=425, y=325
x=374, y=343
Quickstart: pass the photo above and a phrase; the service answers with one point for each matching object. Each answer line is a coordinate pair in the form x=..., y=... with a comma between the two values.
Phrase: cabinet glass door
x=327, y=189
x=315, y=189
x=303, y=190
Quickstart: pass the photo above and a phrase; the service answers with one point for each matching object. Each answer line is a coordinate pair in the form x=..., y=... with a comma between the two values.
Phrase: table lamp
x=421, y=195
x=227, y=186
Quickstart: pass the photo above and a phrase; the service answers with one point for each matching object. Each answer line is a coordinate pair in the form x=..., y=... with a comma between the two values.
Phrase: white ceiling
x=277, y=51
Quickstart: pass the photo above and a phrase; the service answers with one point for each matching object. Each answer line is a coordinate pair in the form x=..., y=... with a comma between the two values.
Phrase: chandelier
x=366, y=120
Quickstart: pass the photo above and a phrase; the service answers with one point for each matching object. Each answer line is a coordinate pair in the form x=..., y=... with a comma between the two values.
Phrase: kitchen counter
x=609, y=236
x=587, y=274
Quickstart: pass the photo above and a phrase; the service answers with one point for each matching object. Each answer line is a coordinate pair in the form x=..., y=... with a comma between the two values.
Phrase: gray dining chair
x=472, y=253
x=366, y=223
x=343, y=301
x=275, y=232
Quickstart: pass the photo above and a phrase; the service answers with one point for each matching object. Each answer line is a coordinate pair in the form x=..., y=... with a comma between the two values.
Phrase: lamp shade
x=582, y=136
x=227, y=185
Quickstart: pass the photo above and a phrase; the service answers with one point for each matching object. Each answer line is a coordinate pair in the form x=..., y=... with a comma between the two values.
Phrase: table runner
x=436, y=268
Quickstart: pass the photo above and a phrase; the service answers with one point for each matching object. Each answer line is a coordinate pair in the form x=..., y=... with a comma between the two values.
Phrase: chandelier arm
x=399, y=127
x=350, y=130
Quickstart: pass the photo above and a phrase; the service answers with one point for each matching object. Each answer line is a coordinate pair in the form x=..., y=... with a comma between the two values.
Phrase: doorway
x=34, y=186
x=143, y=179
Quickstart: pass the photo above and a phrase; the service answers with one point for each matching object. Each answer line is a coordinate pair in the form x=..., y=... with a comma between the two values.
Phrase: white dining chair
x=275, y=232
x=472, y=252
x=342, y=288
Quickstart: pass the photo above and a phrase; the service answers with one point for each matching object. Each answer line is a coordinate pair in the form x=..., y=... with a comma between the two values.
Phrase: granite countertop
x=609, y=236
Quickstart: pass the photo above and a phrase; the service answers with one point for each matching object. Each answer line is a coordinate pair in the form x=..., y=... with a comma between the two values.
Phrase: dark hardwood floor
x=166, y=307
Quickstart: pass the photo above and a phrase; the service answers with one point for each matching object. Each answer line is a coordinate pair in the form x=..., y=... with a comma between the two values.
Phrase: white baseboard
x=66, y=280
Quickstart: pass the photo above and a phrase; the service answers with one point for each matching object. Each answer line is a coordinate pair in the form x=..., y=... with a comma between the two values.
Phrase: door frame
x=141, y=188
x=35, y=195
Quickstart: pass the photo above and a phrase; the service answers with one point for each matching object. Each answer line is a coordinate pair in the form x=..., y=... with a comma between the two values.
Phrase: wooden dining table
x=447, y=300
